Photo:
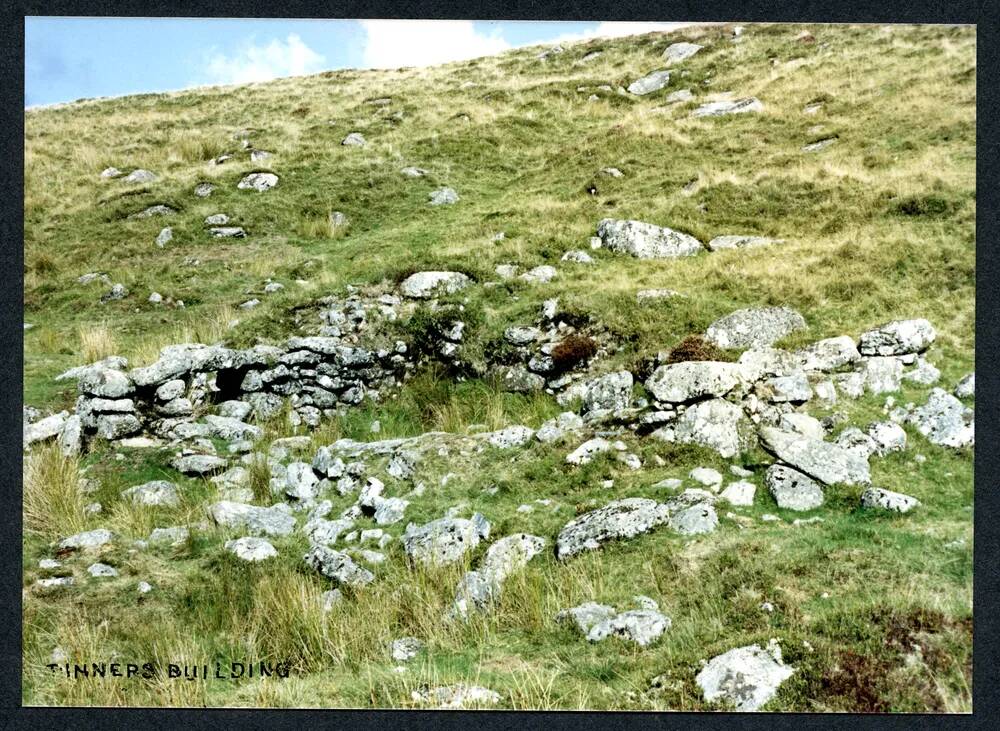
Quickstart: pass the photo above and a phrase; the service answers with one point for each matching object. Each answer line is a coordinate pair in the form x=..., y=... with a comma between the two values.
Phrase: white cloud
x=290, y=57
x=396, y=43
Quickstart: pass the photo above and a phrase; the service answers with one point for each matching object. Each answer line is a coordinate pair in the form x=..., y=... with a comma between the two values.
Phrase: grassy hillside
x=877, y=226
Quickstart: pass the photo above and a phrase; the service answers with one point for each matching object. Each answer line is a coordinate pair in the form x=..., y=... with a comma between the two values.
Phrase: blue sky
x=73, y=58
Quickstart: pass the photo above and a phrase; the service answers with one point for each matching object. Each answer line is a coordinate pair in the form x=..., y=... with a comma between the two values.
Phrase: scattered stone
x=966, y=388
x=585, y=453
x=887, y=436
x=140, y=176
x=258, y=181
x=198, y=464
x=740, y=493
x=745, y=678
x=578, y=257
x=650, y=295
x=898, y=337
x=117, y=292
x=164, y=237
x=228, y=232
x=644, y=240
x=456, y=696
x=157, y=492
x=203, y=190
x=110, y=173
x=100, y=570
x=718, y=109
x=706, y=476
x=714, y=423
x=144, y=587
x=443, y=196
x=424, y=285
x=354, y=139
x=558, y=427
x=677, y=52
x=337, y=566
x=649, y=83
x=876, y=497
x=276, y=520
x=88, y=539
x=539, y=275
x=828, y=354
x=691, y=380
x=754, y=327
x=330, y=599
x=642, y=626
x=831, y=464
x=691, y=513
x=412, y=172
x=617, y=520
x=217, y=219
x=405, y=648
x=819, y=145
x=944, y=420
x=512, y=436
x=158, y=210
x=251, y=549
x=444, y=541
x=791, y=489
x=681, y=95
x=586, y=616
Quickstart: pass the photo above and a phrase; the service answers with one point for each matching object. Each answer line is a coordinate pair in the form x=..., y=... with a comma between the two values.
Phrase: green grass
x=878, y=226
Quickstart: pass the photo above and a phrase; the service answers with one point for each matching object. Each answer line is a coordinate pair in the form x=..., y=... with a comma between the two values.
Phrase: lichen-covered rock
x=443, y=541
x=198, y=464
x=715, y=423
x=887, y=436
x=230, y=429
x=258, y=181
x=691, y=380
x=586, y=452
x=423, y=285
x=829, y=463
x=337, y=566
x=610, y=392
x=456, y=696
x=251, y=549
x=793, y=388
x=101, y=570
x=721, y=108
x=617, y=520
x=276, y=520
x=116, y=426
x=354, y=139
x=46, y=428
x=944, y=420
x=649, y=83
x=405, y=648
x=558, y=427
x=754, y=327
x=744, y=678
x=157, y=492
x=645, y=241
x=443, y=196
x=882, y=374
x=828, y=354
x=791, y=489
x=898, y=337
x=586, y=615
x=105, y=383
x=966, y=388
x=539, y=275
x=739, y=493
x=512, y=436
x=677, y=52
x=692, y=513
x=88, y=539
x=642, y=626
x=140, y=176
x=876, y=497
x=479, y=588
